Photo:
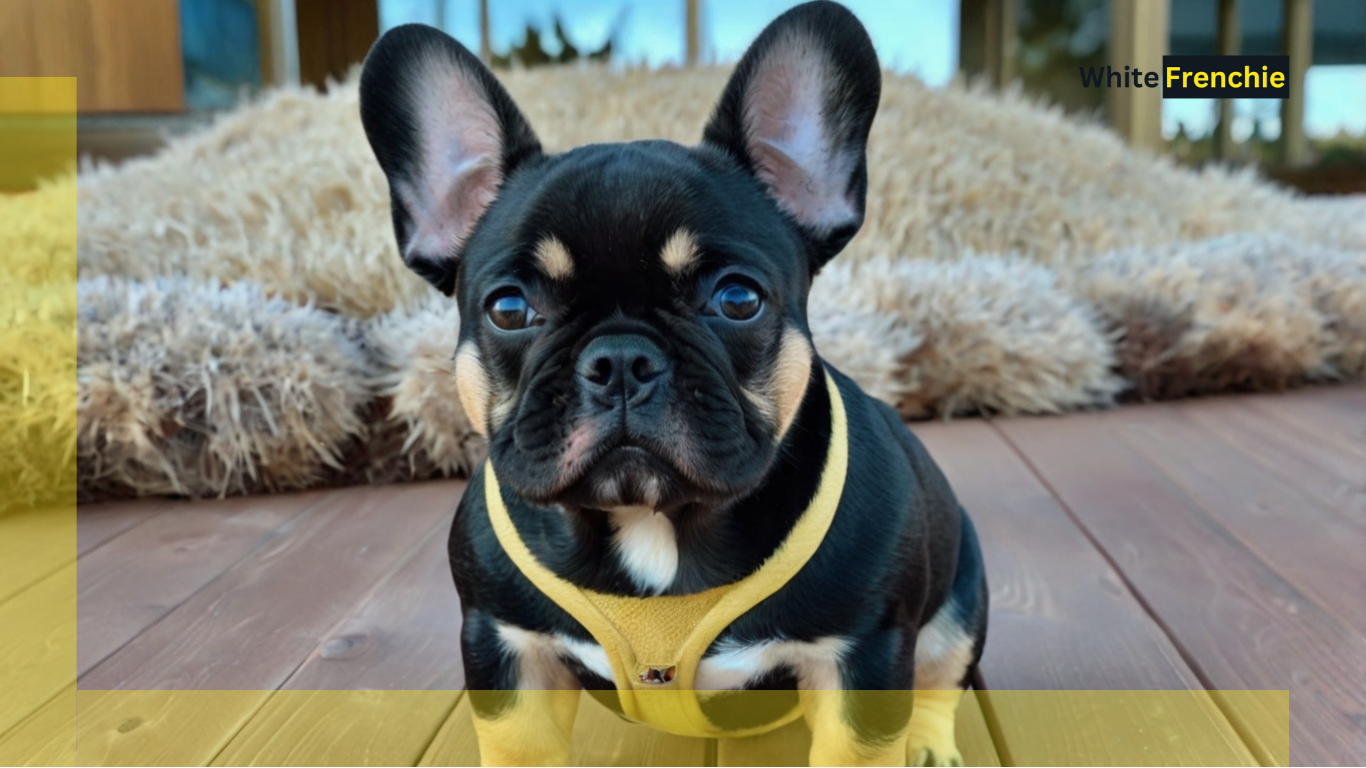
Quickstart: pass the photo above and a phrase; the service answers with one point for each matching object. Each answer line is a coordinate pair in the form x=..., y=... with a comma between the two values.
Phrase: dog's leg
x=944, y=658
x=523, y=696
x=858, y=709
x=946, y=652
x=837, y=737
x=528, y=728
x=930, y=739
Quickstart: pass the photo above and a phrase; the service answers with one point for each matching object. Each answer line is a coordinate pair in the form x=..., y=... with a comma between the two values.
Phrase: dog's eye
x=510, y=311
x=737, y=301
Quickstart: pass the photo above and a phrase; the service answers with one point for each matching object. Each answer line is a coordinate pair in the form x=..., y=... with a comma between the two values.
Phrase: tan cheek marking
x=779, y=397
x=472, y=382
x=790, y=377
x=554, y=259
x=680, y=252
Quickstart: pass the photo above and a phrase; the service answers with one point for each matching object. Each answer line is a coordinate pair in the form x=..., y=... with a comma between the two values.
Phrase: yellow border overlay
x=45, y=720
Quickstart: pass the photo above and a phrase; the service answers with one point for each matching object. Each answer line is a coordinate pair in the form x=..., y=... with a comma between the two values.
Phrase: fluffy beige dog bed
x=246, y=322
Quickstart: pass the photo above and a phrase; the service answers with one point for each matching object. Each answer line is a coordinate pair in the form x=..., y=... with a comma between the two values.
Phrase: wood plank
x=33, y=546
x=341, y=728
x=133, y=581
x=254, y=625
x=791, y=744
x=98, y=523
x=1113, y=727
x=1244, y=627
x=400, y=650
x=600, y=738
x=1063, y=620
x=1334, y=476
x=973, y=734
x=405, y=636
x=171, y=728
x=1312, y=547
x=1335, y=415
x=47, y=737
x=37, y=646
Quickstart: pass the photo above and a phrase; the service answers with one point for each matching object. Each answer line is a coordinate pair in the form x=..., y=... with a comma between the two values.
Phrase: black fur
x=730, y=480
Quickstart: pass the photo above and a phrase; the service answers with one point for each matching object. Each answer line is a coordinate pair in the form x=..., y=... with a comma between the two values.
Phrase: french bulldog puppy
x=682, y=498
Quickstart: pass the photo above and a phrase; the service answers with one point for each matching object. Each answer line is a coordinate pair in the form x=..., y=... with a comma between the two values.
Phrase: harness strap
x=655, y=644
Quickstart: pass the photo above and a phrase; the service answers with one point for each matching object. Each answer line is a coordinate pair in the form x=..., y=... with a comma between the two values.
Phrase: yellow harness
x=655, y=644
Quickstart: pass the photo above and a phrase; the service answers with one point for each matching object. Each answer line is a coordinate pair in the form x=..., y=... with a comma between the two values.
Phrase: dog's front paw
x=927, y=755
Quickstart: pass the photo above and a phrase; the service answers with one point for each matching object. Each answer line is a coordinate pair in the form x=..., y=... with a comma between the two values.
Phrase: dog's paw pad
x=928, y=757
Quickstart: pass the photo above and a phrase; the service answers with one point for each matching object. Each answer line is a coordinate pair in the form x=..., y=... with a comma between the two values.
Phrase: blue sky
x=915, y=36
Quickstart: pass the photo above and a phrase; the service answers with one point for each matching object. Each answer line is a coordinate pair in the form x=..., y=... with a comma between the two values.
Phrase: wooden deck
x=1204, y=548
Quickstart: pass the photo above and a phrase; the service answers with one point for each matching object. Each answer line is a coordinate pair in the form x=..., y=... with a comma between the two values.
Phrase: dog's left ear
x=796, y=114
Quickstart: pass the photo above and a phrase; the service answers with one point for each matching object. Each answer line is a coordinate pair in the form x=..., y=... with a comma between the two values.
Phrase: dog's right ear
x=447, y=136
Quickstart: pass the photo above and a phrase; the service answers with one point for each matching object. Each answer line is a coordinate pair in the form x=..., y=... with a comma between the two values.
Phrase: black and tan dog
x=685, y=510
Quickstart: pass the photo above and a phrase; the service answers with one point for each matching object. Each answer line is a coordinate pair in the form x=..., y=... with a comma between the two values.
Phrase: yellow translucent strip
x=37, y=413
x=435, y=728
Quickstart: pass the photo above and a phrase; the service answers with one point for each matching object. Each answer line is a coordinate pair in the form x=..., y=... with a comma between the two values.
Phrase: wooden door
x=125, y=54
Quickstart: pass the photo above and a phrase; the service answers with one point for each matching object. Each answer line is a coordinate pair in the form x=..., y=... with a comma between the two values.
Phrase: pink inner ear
x=459, y=170
x=791, y=146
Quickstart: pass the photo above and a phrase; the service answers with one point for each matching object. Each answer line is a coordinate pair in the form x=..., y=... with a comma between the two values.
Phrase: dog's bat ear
x=447, y=136
x=796, y=114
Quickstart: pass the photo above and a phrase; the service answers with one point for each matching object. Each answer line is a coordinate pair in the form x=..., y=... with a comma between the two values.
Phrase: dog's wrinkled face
x=633, y=315
x=633, y=329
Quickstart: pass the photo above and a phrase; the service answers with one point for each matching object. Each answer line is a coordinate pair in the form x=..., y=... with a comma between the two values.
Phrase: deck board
x=37, y=644
x=1241, y=624
x=1310, y=545
x=160, y=727
x=114, y=519
x=1066, y=633
x=600, y=738
x=340, y=728
x=137, y=578
x=1297, y=457
x=405, y=636
x=791, y=744
x=1132, y=552
x=1333, y=415
x=281, y=600
x=33, y=546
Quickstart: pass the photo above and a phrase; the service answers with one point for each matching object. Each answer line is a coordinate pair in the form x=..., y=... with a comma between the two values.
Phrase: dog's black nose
x=619, y=367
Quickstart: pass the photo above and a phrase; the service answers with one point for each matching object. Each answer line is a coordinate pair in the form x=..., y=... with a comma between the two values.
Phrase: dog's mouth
x=626, y=472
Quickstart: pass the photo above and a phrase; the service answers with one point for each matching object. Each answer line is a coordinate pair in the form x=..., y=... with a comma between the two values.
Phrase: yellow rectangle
x=429, y=728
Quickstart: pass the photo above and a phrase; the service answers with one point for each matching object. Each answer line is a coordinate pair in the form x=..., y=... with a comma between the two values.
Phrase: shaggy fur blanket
x=247, y=324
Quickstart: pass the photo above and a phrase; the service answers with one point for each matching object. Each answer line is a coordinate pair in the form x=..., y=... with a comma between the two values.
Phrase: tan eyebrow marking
x=554, y=259
x=680, y=252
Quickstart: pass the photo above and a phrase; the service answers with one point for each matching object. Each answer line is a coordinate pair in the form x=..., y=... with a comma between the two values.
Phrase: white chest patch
x=647, y=545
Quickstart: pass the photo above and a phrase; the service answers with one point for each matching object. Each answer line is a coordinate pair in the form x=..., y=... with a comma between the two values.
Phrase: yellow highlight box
x=435, y=728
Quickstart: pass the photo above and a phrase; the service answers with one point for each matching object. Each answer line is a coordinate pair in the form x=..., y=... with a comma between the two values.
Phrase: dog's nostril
x=601, y=373
x=644, y=369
